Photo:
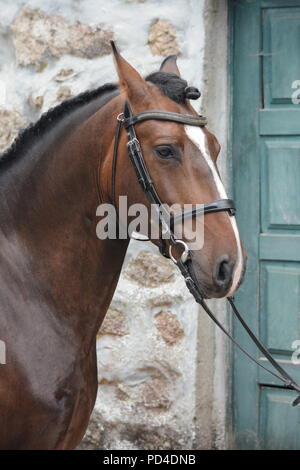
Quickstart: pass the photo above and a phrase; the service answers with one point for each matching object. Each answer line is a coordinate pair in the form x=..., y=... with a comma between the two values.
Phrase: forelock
x=170, y=85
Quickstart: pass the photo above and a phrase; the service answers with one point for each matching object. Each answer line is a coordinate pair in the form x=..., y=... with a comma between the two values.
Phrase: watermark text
x=2, y=352
x=154, y=223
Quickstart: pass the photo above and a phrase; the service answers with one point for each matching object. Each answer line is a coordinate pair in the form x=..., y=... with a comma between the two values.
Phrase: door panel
x=280, y=287
x=281, y=33
x=280, y=194
x=266, y=174
x=278, y=420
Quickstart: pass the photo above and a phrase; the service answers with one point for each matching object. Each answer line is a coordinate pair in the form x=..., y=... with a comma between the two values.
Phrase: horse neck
x=52, y=213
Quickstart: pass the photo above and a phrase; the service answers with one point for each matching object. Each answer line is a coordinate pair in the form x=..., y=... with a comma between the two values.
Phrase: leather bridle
x=167, y=222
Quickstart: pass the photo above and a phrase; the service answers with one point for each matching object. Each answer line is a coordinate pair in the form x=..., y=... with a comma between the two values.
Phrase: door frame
x=246, y=217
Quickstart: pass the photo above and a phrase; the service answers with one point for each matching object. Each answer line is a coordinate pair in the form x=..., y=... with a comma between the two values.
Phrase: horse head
x=182, y=162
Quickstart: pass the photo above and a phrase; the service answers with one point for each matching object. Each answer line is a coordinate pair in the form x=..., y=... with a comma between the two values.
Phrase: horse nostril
x=223, y=272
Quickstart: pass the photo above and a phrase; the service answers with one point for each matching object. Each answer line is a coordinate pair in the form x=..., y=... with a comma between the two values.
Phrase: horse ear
x=130, y=81
x=169, y=65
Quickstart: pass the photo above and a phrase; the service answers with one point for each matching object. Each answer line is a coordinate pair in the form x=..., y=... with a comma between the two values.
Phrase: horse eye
x=164, y=151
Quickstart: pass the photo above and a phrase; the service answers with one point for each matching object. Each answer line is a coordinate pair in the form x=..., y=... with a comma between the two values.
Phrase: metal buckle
x=184, y=256
x=121, y=117
x=133, y=142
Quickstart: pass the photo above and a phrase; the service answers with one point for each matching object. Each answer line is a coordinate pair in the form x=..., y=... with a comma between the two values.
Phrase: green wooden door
x=266, y=173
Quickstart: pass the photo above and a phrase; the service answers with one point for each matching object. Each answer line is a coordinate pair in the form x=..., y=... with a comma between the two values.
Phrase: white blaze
x=198, y=137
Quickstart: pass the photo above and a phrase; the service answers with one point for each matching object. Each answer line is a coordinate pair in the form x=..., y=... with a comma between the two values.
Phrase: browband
x=199, y=121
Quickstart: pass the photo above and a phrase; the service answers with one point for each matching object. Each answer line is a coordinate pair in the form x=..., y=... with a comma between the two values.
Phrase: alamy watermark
x=2, y=352
x=295, y=97
x=154, y=224
x=296, y=353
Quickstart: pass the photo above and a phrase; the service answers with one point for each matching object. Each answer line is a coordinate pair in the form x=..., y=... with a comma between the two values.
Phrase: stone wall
x=147, y=358
x=156, y=351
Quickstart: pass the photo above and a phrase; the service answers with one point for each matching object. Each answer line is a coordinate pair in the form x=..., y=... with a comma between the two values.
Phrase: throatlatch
x=129, y=120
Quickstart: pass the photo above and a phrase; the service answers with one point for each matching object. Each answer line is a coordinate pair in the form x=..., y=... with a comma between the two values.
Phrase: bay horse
x=57, y=278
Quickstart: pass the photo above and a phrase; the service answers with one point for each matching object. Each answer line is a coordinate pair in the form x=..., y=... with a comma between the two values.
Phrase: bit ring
x=184, y=256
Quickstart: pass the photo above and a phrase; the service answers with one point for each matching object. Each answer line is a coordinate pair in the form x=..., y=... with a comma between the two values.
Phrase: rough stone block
x=162, y=39
x=150, y=270
x=115, y=323
x=10, y=124
x=38, y=36
x=169, y=327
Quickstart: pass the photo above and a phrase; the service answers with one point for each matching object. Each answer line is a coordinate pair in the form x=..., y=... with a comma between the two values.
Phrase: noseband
x=129, y=120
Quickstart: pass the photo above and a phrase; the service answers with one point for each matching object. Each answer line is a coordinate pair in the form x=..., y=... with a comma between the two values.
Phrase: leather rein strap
x=128, y=120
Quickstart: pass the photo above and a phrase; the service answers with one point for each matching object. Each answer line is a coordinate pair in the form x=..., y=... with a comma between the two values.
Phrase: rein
x=128, y=120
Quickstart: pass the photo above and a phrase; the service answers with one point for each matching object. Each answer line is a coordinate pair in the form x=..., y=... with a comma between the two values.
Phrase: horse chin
x=208, y=293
